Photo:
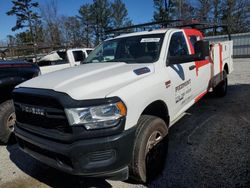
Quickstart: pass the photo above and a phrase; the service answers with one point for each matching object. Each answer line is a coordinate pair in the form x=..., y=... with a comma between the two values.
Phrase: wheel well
x=226, y=68
x=159, y=109
x=5, y=93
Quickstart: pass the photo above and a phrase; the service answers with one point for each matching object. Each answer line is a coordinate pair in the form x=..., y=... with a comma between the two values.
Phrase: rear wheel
x=150, y=149
x=7, y=120
x=221, y=89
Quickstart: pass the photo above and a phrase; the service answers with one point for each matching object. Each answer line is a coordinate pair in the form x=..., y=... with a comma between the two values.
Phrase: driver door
x=182, y=75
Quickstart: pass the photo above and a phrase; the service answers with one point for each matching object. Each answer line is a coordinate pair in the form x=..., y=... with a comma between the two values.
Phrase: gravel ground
x=208, y=147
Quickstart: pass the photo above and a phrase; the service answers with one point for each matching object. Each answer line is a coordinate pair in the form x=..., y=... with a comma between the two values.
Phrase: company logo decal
x=168, y=83
x=183, y=92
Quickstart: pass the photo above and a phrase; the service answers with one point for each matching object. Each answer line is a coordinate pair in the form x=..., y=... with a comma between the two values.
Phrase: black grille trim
x=53, y=118
x=55, y=125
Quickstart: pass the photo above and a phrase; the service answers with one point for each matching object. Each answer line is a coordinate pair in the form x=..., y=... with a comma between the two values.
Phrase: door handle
x=192, y=67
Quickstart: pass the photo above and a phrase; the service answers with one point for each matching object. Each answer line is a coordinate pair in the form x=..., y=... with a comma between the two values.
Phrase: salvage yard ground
x=208, y=147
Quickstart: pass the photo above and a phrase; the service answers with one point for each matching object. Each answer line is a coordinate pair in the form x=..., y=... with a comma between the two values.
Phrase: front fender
x=11, y=81
x=140, y=94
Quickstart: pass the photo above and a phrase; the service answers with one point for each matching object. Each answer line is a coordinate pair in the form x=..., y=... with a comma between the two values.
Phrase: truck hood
x=90, y=81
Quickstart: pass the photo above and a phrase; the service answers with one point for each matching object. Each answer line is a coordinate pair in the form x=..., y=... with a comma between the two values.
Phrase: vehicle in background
x=12, y=73
x=61, y=59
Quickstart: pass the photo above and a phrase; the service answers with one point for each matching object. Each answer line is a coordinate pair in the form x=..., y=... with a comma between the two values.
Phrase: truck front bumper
x=106, y=157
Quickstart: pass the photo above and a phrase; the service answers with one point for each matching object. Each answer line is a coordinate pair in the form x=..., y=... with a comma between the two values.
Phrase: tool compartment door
x=221, y=54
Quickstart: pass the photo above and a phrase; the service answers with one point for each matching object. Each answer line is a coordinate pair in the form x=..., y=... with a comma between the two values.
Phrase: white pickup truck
x=61, y=59
x=110, y=117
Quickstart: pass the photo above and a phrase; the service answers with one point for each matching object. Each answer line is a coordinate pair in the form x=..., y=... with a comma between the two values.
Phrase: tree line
x=44, y=25
x=234, y=13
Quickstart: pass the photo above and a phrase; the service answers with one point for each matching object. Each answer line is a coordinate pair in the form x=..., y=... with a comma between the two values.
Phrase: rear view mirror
x=201, y=49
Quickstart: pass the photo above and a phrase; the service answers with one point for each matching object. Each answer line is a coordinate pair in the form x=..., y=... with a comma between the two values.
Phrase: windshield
x=135, y=49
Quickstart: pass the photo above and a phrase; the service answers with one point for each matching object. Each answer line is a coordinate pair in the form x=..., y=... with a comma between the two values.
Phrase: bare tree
x=73, y=31
x=173, y=9
x=101, y=14
x=162, y=12
x=119, y=14
x=236, y=15
x=11, y=40
x=49, y=12
x=186, y=10
x=204, y=9
x=86, y=19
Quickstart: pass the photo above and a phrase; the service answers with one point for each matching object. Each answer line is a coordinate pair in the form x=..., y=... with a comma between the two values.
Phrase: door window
x=79, y=55
x=193, y=39
x=178, y=45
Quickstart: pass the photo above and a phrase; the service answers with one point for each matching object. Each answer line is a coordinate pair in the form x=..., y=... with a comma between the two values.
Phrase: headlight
x=97, y=117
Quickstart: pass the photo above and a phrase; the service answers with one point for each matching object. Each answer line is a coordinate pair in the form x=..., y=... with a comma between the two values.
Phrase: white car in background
x=61, y=59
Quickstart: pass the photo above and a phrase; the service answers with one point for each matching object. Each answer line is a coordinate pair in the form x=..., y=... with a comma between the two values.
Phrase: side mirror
x=183, y=59
x=201, y=49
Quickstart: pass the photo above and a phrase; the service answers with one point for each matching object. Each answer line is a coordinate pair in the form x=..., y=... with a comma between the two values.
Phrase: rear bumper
x=106, y=157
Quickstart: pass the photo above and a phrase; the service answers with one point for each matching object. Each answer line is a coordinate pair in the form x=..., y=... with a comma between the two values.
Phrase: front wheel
x=7, y=120
x=150, y=148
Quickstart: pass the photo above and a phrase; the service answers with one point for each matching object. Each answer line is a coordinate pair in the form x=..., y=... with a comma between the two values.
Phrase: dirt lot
x=209, y=147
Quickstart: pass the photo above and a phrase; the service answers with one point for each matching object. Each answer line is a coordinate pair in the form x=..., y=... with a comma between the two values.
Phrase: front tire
x=7, y=120
x=150, y=148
